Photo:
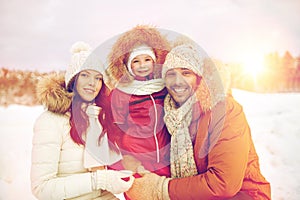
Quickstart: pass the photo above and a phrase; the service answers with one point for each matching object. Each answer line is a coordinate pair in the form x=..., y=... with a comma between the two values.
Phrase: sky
x=274, y=127
x=38, y=34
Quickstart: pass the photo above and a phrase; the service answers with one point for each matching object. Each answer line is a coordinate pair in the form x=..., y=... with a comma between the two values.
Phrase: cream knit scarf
x=177, y=121
x=143, y=87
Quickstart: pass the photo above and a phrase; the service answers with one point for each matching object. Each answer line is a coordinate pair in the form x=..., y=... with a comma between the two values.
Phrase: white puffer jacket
x=57, y=170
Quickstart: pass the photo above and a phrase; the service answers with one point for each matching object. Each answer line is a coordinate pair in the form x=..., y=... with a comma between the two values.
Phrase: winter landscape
x=273, y=119
x=259, y=40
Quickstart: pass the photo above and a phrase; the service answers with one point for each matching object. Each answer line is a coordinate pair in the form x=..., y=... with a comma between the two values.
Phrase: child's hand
x=131, y=163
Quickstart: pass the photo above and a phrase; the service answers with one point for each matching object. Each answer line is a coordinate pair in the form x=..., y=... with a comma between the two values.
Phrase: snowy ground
x=273, y=119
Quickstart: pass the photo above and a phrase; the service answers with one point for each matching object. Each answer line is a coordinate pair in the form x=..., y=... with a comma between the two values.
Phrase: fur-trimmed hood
x=117, y=70
x=215, y=85
x=51, y=93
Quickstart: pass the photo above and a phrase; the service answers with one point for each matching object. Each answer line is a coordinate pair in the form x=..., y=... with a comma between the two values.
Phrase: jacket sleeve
x=227, y=158
x=46, y=149
x=119, y=106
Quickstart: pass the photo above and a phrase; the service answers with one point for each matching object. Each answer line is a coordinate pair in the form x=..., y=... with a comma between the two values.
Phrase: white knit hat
x=184, y=56
x=140, y=50
x=216, y=80
x=81, y=59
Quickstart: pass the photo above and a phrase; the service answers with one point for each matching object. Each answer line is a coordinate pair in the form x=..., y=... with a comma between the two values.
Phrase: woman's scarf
x=177, y=121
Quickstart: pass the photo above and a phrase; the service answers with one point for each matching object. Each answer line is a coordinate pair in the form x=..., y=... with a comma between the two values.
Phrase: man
x=212, y=153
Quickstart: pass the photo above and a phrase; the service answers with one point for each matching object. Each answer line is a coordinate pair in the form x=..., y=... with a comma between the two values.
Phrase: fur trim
x=215, y=84
x=117, y=70
x=52, y=94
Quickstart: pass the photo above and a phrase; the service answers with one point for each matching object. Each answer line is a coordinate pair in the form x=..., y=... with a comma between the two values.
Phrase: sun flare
x=253, y=65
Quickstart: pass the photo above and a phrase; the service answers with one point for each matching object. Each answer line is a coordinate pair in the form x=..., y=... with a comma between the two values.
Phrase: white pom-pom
x=80, y=46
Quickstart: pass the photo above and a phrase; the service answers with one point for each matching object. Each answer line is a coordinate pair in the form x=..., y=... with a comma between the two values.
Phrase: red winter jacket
x=144, y=135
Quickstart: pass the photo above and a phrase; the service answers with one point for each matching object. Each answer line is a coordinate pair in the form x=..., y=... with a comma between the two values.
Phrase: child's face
x=142, y=65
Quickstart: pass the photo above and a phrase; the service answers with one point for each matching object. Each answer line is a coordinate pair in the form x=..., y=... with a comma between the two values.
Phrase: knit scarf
x=143, y=87
x=177, y=121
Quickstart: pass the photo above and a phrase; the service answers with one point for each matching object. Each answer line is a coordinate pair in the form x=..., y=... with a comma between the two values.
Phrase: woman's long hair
x=79, y=120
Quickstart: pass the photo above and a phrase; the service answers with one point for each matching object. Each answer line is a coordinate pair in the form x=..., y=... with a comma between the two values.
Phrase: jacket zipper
x=154, y=130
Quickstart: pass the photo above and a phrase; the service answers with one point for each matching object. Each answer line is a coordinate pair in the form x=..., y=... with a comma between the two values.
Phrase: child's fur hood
x=117, y=71
x=52, y=94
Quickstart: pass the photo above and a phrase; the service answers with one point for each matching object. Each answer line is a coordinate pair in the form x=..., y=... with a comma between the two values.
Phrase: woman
x=63, y=167
x=212, y=153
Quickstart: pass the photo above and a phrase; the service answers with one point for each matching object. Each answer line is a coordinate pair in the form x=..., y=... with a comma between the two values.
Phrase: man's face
x=181, y=84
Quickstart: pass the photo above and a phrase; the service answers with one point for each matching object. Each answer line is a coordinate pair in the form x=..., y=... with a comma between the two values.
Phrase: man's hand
x=149, y=187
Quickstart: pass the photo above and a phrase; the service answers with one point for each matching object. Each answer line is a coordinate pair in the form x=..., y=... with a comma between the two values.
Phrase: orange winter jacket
x=225, y=156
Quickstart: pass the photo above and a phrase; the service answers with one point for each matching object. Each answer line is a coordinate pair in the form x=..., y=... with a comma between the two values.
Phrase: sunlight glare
x=253, y=65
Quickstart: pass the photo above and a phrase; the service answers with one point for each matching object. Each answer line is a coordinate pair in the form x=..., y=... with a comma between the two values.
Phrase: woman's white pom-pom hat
x=81, y=59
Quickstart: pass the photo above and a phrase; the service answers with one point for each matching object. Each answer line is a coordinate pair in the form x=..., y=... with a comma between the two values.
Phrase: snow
x=273, y=119
x=16, y=132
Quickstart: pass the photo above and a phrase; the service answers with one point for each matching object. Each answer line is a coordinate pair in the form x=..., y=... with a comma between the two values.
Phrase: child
x=137, y=100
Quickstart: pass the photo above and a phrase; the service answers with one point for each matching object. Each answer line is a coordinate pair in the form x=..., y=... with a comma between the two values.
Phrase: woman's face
x=181, y=83
x=142, y=65
x=89, y=84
